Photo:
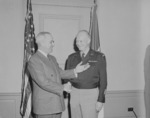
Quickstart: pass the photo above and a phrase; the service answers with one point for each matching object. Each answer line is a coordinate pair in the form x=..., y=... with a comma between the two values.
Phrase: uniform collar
x=85, y=52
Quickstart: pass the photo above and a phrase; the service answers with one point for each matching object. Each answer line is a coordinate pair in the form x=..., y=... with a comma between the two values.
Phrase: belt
x=82, y=86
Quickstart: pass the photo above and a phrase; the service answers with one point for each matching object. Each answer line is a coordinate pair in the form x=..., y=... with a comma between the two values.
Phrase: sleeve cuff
x=76, y=75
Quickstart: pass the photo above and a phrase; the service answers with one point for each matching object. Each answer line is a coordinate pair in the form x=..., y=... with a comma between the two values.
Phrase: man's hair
x=40, y=36
x=86, y=32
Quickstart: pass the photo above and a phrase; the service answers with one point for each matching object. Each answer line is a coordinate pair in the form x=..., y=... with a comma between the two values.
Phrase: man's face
x=82, y=42
x=49, y=43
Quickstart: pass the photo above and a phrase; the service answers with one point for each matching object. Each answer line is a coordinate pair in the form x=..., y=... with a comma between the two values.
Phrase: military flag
x=94, y=28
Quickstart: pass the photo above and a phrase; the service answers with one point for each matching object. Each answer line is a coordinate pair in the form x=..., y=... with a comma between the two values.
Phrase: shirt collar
x=85, y=52
x=42, y=52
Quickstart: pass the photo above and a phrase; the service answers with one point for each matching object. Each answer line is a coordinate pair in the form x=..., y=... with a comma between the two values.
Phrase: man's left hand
x=99, y=106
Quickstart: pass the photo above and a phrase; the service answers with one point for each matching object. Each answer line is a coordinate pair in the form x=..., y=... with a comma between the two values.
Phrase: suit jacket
x=47, y=97
x=95, y=76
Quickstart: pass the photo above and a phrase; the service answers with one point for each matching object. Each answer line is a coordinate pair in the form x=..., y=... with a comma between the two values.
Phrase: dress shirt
x=84, y=52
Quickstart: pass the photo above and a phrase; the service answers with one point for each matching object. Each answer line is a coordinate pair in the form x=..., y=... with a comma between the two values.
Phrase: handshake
x=67, y=87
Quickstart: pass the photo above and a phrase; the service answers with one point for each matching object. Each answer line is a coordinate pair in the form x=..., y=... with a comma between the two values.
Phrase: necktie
x=82, y=56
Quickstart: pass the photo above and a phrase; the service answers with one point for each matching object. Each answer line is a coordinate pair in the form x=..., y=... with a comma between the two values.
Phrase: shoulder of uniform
x=73, y=55
x=100, y=54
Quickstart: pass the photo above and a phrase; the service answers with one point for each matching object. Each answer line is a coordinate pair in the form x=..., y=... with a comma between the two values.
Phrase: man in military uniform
x=88, y=91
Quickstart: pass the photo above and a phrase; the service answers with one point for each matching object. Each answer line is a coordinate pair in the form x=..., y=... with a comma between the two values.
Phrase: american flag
x=94, y=30
x=29, y=49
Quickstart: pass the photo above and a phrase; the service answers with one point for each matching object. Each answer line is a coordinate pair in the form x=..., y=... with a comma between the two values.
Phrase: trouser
x=83, y=103
x=58, y=115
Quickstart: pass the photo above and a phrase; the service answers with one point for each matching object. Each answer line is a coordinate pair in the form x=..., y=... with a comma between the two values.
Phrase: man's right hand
x=80, y=68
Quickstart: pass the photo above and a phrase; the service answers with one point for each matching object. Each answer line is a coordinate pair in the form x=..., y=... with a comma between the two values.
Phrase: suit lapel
x=43, y=58
x=55, y=67
x=50, y=65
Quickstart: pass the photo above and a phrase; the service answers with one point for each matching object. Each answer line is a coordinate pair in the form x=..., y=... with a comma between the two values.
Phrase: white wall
x=145, y=28
x=124, y=34
x=11, y=45
x=120, y=33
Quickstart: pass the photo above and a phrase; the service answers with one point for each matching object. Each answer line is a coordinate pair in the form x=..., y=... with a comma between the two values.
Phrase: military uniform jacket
x=95, y=76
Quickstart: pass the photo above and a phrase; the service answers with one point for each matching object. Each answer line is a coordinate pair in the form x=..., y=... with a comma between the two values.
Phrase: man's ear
x=89, y=41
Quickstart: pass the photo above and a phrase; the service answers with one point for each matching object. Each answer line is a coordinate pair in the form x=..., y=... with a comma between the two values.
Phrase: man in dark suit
x=47, y=95
x=88, y=91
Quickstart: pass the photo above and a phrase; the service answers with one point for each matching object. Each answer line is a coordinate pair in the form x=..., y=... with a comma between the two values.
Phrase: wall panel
x=9, y=105
x=117, y=103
